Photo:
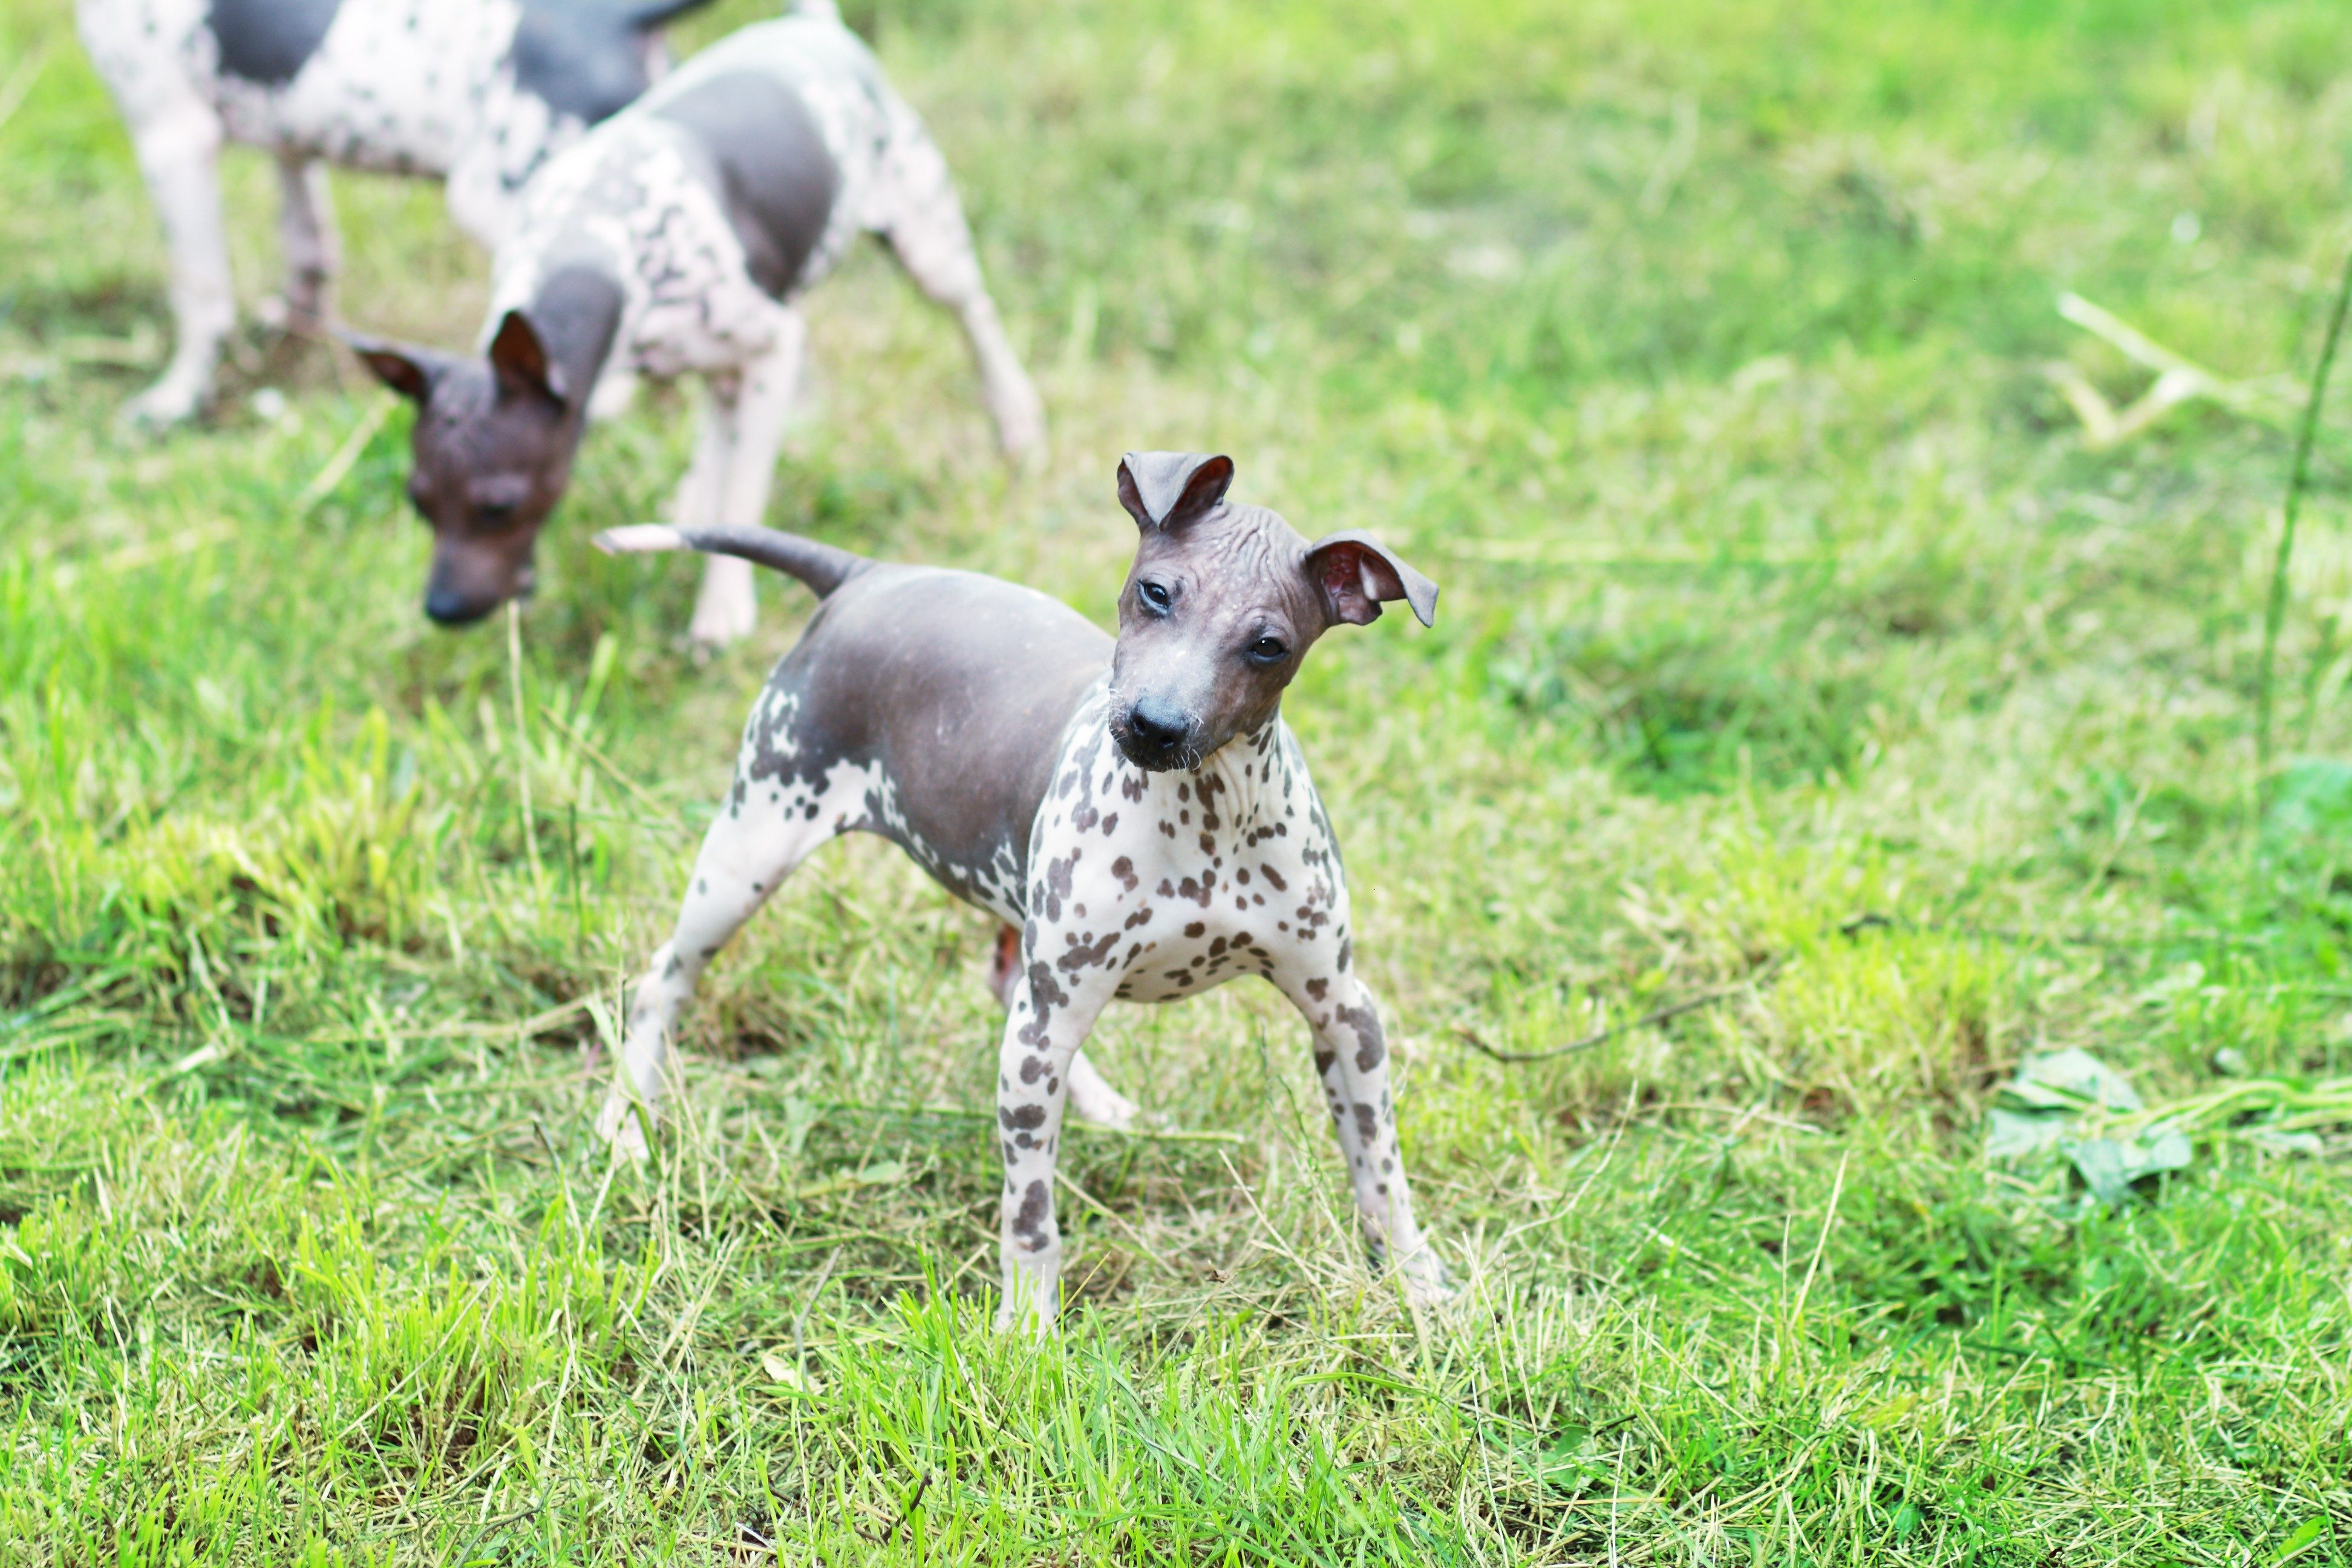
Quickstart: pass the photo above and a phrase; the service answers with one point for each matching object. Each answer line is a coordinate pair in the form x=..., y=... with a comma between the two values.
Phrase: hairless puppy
x=477, y=91
x=1137, y=808
x=678, y=236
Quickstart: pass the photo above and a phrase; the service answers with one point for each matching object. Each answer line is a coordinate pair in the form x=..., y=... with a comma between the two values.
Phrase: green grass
x=1694, y=347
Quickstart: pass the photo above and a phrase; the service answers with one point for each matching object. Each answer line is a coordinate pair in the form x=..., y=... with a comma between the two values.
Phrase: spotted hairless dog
x=677, y=238
x=1137, y=808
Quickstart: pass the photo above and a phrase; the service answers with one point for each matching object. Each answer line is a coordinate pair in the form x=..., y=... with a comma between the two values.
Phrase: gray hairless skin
x=1137, y=808
x=678, y=236
x=480, y=92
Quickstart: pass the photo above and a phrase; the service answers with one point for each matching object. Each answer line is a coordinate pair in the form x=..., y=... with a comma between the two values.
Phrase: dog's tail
x=823, y=567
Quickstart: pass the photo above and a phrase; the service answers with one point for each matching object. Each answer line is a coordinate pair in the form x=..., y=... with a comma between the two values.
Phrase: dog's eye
x=1267, y=651
x=1154, y=595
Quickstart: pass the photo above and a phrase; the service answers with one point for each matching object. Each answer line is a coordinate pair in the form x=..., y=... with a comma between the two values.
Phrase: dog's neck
x=576, y=309
x=1236, y=781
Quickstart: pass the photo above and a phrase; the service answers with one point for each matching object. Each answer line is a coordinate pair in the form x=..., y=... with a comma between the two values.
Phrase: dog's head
x=492, y=450
x=1221, y=605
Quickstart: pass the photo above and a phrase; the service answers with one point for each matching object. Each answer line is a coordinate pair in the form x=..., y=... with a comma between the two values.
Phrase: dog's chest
x=401, y=86
x=1178, y=882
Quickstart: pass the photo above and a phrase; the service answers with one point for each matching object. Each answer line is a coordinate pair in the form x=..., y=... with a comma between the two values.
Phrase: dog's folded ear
x=1355, y=572
x=408, y=370
x=1169, y=490
x=520, y=359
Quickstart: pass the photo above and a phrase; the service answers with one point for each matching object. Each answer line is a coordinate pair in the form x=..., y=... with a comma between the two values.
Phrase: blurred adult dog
x=675, y=237
x=478, y=92
x=1136, y=808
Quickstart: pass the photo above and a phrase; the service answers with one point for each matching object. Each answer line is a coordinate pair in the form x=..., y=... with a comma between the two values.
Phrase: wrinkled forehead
x=1234, y=558
x=467, y=422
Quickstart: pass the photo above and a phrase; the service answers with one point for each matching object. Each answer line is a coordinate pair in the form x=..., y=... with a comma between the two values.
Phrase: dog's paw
x=1020, y=417
x=174, y=400
x=1424, y=1279
x=623, y=1128
x=720, y=619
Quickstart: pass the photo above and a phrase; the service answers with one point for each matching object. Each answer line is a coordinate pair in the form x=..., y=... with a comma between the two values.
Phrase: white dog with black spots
x=1136, y=809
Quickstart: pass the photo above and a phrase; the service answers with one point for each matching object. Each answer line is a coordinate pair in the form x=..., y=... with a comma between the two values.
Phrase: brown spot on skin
x=1086, y=955
x=1032, y=1070
x=1194, y=929
x=1029, y=1118
x=1216, y=947
x=1366, y=1121
x=1124, y=870
x=1036, y=1210
x=1140, y=917
x=1274, y=876
x=1208, y=844
x=1346, y=950
x=1183, y=790
x=1240, y=875
x=1372, y=1045
x=1110, y=825
x=1058, y=883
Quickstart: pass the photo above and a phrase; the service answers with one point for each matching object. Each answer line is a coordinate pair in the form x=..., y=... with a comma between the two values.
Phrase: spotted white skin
x=1137, y=809
x=1154, y=886
x=1144, y=887
x=410, y=87
x=630, y=200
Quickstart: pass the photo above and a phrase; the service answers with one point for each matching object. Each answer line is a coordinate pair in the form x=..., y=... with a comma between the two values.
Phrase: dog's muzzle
x=1153, y=737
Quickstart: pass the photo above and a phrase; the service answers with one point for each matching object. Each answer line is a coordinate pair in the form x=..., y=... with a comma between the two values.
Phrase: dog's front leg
x=755, y=416
x=1053, y=1012
x=1351, y=1057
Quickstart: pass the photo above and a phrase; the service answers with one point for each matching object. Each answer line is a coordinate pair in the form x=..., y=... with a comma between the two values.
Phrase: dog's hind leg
x=753, y=410
x=178, y=144
x=750, y=848
x=307, y=242
x=926, y=229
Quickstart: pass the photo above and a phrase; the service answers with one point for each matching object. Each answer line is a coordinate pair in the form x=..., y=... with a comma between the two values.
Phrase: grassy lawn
x=1796, y=652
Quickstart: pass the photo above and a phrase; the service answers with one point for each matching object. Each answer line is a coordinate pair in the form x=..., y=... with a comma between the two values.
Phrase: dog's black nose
x=1156, y=727
x=451, y=608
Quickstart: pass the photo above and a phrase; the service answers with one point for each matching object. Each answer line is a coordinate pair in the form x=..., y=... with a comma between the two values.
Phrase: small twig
x=1688, y=1005
x=2274, y=610
x=906, y=1509
x=521, y=1028
x=1872, y=920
